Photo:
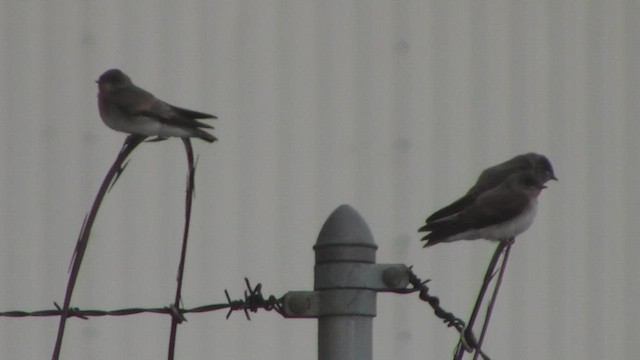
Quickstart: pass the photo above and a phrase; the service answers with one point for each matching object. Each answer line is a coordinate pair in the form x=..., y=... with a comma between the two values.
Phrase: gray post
x=344, y=244
x=346, y=282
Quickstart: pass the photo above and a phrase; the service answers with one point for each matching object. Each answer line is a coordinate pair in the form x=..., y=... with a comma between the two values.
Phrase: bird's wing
x=489, y=178
x=171, y=115
x=496, y=175
x=454, y=207
x=493, y=207
x=135, y=101
x=192, y=114
x=132, y=100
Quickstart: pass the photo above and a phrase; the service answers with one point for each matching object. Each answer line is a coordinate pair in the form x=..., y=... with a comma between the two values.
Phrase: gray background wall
x=391, y=106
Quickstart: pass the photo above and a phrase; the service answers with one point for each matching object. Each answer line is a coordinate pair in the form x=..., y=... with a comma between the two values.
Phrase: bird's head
x=542, y=167
x=113, y=79
x=527, y=181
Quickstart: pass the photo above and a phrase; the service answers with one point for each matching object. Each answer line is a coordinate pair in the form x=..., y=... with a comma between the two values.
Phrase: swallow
x=494, y=176
x=500, y=213
x=127, y=108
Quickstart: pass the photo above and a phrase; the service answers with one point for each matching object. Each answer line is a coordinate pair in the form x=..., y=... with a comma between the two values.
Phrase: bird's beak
x=97, y=81
x=542, y=187
x=552, y=176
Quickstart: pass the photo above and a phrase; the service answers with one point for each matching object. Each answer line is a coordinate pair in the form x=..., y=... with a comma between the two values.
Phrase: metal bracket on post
x=346, y=282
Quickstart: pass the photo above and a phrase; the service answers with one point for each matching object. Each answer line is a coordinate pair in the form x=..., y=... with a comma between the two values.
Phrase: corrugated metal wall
x=391, y=106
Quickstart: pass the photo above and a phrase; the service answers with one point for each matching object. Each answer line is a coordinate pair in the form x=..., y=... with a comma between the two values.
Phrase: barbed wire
x=253, y=301
x=421, y=287
x=467, y=338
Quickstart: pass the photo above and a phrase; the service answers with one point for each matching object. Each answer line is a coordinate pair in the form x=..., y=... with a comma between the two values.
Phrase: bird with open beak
x=494, y=176
x=500, y=213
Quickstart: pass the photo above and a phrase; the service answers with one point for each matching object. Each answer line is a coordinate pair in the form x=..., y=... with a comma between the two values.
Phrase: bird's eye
x=545, y=164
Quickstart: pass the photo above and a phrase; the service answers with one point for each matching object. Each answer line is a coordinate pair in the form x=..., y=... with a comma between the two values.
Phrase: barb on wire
x=253, y=301
x=118, y=172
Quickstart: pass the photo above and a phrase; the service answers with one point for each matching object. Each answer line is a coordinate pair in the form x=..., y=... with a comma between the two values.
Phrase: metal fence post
x=346, y=282
x=345, y=239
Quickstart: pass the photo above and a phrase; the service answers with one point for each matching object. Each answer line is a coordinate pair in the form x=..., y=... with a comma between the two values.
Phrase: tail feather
x=430, y=242
x=436, y=237
x=199, y=133
x=439, y=231
x=198, y=124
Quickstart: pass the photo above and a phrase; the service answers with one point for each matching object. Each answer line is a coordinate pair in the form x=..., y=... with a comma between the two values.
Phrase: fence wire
x=252, y=302
x=253, y=299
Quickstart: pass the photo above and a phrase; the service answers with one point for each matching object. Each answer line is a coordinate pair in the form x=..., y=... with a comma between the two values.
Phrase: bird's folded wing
x=192, y=114
x=136, y=101
x=454, y=207
x=167, y=114
x=493, y=207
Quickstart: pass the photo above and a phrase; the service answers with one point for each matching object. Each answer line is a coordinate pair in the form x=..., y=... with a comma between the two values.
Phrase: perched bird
x=497, y=214
x=494, y=176
x=127, y=108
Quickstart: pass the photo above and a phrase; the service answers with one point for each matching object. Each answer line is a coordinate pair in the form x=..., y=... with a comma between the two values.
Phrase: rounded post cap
x=345, y=236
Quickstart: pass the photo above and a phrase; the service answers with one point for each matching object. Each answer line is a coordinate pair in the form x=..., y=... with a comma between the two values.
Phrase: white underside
x=501, y=231
x=143, y=125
